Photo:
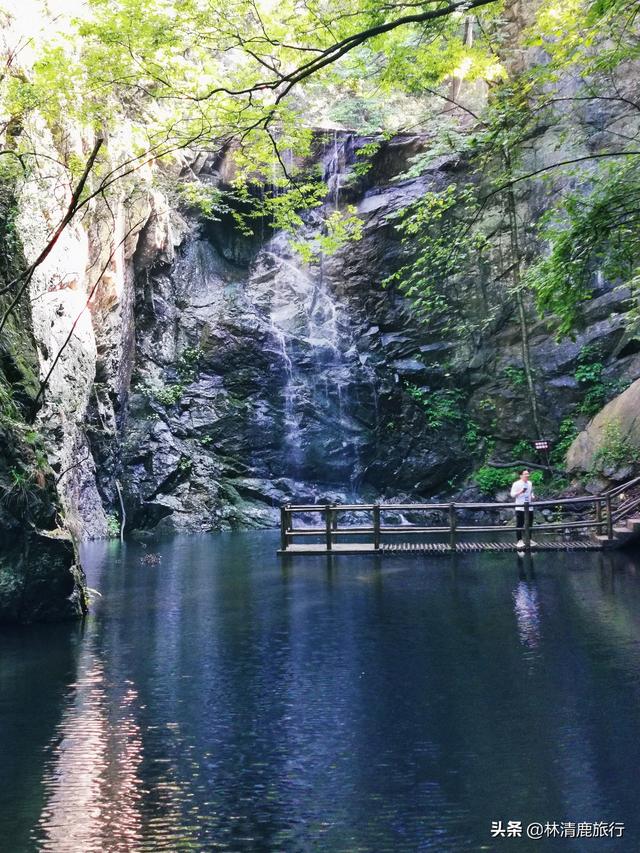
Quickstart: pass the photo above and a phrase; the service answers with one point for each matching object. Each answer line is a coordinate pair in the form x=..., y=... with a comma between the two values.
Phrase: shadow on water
x=223, y=699
x=34, y=690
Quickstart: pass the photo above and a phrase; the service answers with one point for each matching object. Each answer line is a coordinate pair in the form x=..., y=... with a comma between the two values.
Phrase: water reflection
x=526, y=603
x=92, y=782
x=220, y=700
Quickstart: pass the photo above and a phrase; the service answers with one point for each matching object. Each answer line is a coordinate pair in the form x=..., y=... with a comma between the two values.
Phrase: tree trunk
x=518, y=288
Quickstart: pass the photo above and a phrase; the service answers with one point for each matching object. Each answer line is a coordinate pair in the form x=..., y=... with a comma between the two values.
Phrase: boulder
x=41, y=579
x=624, y=411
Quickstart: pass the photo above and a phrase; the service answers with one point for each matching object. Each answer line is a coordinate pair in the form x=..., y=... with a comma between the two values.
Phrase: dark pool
x=223, y=700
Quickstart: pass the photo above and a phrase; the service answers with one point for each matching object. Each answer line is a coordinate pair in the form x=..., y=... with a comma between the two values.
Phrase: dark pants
x=520, y=522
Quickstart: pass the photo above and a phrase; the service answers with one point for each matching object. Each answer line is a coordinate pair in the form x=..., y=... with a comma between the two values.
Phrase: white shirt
x=522, y=496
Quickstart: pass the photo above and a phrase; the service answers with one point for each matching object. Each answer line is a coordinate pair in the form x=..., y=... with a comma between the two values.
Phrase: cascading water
x=336, y=162
x=261, y=379
x=308, y=335
x=313, y=343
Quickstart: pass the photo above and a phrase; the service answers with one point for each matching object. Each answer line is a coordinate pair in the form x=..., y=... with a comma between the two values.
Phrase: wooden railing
x=597, y=513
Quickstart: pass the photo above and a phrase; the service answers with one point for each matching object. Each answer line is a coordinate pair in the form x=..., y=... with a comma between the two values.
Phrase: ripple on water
x=218, y=702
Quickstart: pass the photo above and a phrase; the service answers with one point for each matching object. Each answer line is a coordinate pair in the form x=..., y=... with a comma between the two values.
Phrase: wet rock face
x=259, y=379
x=40, y=580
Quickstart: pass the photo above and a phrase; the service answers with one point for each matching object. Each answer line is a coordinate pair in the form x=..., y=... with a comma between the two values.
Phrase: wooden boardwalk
x=590, y=523
x=342, y=548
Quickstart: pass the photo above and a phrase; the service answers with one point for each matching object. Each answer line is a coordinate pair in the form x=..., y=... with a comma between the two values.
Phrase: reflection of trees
x=90, y=781
x=606, y=677
x=610, y=598
x=202, y=649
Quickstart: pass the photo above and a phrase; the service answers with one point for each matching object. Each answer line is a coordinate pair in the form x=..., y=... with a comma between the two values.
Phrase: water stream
x=313, y=339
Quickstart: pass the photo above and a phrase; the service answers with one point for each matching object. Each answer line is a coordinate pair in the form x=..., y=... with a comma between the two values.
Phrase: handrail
x=412, y=531
x=625, y=509
x=427, y=507
x=618, y=489
x=605, y=517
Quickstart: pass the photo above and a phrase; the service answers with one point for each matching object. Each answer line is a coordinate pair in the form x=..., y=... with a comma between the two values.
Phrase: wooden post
x=609, y=518
x=334, y=524
x=283, y=528
x=328, y=530
x=376, y=527
x=452, y=526
x=598, y=515
x=527, y=526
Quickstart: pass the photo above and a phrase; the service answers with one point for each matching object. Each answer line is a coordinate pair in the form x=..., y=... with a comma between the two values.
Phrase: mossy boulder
x=618, y=422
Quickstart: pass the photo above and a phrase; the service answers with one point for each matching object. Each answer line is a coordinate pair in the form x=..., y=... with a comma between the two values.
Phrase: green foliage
x=571, y=33
x=439, y=252
x=113, y=526
x=365, y=154
x=589, y=374
x=491, y=480
x=522, y=449
x=8, y=408
x=593, y=232
x=362, y=114
x=567, y=431
x=473, y=436
x=155, y=77
x=596, y=234
x=596, y=387
x=187, y=367
x=440, y=407
x=516, y=376
x=167, y=395
x=341, y=227
x=188, y=363
x=615, y=449
x=23, y=488
x=10, y=175
x=209, y=202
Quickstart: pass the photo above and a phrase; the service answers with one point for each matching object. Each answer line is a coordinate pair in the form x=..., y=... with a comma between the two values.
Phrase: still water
x=222, y=700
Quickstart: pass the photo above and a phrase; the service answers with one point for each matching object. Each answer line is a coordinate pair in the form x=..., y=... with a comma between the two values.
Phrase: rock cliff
x=40, y=578
x=199, y=376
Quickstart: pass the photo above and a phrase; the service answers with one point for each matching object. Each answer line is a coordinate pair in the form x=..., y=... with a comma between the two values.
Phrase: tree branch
x=336, y=51
x=66, y=219
x=45, y=381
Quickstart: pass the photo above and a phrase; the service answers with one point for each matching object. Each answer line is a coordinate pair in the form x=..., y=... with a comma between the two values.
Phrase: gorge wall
x=258, y=379
x=217, y=375
x=40, y=575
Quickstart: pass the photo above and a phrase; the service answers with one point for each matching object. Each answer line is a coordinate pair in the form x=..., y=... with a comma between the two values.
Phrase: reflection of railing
x=597, y=515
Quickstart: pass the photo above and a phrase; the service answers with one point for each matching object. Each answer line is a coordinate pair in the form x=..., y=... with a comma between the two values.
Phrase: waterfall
x=291, y=411
x=310, y=340
x=335, y=163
